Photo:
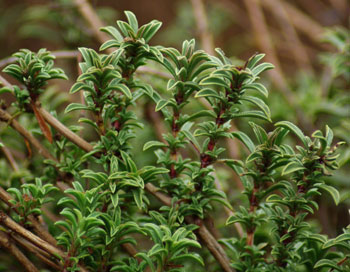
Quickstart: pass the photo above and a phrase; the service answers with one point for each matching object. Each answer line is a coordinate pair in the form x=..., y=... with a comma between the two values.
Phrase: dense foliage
x=113, y=212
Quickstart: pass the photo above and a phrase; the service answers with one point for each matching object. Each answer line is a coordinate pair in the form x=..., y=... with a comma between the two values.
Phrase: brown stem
x=6, y=242
x=10, y=158
x=264, y=41
x=202, y=26
x=303, y=22
x=92, y=19
x=250, y=238
x=62, y=129
x=296, y=47
x=12, y=225
x=6, y=117
x=214, y=247
x=39, y=253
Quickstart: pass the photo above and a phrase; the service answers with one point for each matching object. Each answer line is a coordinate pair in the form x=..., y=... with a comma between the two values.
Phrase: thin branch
x=10, y=158
x=6, y=242
x=295, y=45
x=38, y=252
x=303, y=22
x=94, y=22
x=202, y=26
x=6, y=117
x=62, y=129
x=12, y=225
x=38, y=228
x=264, y=41
x=213, y=246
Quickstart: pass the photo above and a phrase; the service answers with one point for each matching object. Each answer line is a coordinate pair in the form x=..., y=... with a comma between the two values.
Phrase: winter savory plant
x=87, y=202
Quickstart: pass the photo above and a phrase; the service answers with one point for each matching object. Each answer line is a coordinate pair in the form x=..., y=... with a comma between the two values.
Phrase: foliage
x=108, y=207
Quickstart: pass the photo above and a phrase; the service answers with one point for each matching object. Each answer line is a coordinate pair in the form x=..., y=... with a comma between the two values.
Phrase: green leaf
x=137, y=193
x=161, y=104
x=258, y=87
x=6, y=90
x=206, y=92
x=292, y=167
x=123, y=89
x=76, y=106
x=113, y=32
x=244, y=138
x=109, y=44
x=152, y=144
x=115, y=200
x=254, y=60
x=332, y=191
x=293, y=128
x=88, y=121
x=78, y=86
x=191, y=138
x=218, y=81
x=252, y=114
x=260, y=103
x=327, y=263
x=187, y=256
x=132, y=20
x=203, y=113
x=329, y=135
x=150, y=30
x=261, y=68
x=259, y=132
x=343, y=238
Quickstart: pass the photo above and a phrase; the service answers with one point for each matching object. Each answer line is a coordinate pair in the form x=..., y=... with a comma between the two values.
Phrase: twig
x=38, y=252
x=263, y=38
x=265, y=43
x=62, y=129
x=10, y=158
x=12, y=225
x=38, y=228
x=213, y=246
x=92, y=19
x=295, y=45
x=202, y=26
x=6, y=242
x=6, y=117
x=303, y=22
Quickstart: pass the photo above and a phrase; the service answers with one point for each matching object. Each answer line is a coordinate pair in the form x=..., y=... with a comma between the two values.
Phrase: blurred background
x=308, y=41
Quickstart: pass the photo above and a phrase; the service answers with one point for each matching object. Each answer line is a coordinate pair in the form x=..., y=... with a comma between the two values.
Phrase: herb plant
x=106, y=211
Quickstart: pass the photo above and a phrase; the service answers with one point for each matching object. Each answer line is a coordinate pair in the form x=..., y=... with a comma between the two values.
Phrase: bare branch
x=6, y=117
x=62, y=129
x=202, y=26
x=12, y=225
x=92, y=19
x=296, y=47
x=38, y=252
x=6, y=242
